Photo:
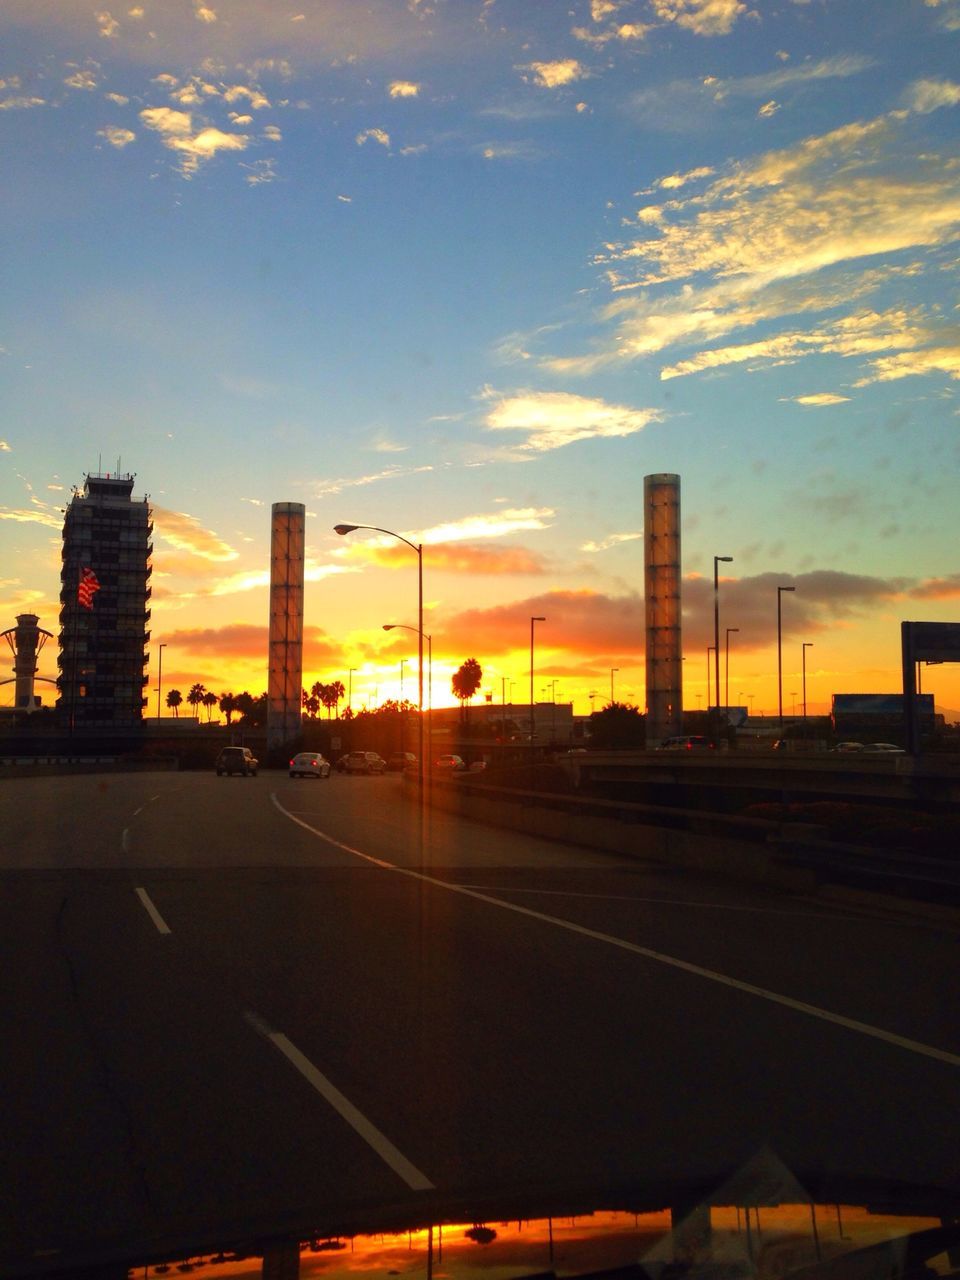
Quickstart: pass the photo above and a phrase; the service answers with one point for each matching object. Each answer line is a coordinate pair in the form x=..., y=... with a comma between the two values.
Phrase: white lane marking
x=664, y=902
x=673, y=962
x=368, y=1131
x=137, y=812
x=125, y=840
x=152, y=912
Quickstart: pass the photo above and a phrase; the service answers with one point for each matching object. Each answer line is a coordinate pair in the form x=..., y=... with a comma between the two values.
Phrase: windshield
x=539, y=422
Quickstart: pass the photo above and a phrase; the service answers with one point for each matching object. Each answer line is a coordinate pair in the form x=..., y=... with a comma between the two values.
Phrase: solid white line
x=673, y=962
x=665, y=902
x=125, y=840
x=152, y=912
x=368, y=1131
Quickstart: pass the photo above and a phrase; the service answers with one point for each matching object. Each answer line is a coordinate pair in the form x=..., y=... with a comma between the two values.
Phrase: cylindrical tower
x=26, y=640
x=661, y=562
x=285, y=658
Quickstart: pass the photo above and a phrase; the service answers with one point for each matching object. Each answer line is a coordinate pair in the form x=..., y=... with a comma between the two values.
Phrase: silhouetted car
x=448, y=761
x=399, y=760
x=686, y=742
x=884, y=749
x=309, y=764
x=237, y=760
x=844, y=747
x=364, y=762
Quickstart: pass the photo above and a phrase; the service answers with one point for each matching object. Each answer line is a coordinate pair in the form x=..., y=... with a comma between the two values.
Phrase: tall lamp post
x=160, y=678
x=533, y=621
x=613, y=672
x=343, y=530
x=780, y=591
x=807, y=644
x=403, y=626
x=726, y=673
x=710, y=649
x=717, y=560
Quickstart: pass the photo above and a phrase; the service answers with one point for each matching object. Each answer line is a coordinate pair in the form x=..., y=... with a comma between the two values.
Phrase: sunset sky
x=468, y=270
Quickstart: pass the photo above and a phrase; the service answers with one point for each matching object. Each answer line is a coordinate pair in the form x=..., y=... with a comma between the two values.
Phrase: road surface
x=243, y=1007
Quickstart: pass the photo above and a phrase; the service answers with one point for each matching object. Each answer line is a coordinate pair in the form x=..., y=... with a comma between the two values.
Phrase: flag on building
x=88, y=588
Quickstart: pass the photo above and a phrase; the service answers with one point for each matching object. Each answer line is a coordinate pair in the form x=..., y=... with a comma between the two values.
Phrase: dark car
x=237, y=760
x=399, y=760
x=364, y=762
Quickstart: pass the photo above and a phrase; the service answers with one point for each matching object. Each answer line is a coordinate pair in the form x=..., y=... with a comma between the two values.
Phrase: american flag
x=88, y=588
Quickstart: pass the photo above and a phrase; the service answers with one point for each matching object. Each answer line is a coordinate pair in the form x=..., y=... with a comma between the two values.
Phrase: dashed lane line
x=152, y=912
x=366, y=1129
x=659, y=957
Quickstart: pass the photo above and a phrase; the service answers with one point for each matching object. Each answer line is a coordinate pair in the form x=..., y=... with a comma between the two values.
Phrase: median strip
x=152, y=912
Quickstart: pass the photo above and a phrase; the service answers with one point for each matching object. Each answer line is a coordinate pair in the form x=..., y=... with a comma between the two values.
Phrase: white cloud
x=135, y=12
x=260, y=172
x=403, y=89
x=768, y=109
x=929, y=95
x=702, y=17
x=820, y=399
x=116, y=136
x=675, y=180
x=551, y=75
x=272, y=132
x=120, y=99
x=908, y=364
x=255, y=97
x=330, y=487
x=552, y=419
x=373, y=135
x=837, y=67
x=167, y=121
x=20, y=103
x=345, y=199
x=176, y=127
x=4, y=447
x=203, y=12
x=613, y=540
x=109, y=26
x=623, y=31
x=83, y=78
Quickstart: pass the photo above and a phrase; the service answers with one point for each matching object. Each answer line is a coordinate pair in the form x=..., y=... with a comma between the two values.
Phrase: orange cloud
x=461, y=557
x=576, y=621
x=248, y=641
x=947, y=588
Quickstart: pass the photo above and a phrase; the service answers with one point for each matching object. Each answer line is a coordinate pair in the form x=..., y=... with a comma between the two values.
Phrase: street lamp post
x=807, y=644
x=780, y=591
x=160, y=678
x=403, y=626
x=710, y=649
x=533, y=621
x=343, y=530
x=726, y=673
x=716, y=623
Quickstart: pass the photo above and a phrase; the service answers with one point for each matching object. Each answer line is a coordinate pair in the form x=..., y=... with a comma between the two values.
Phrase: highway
x=237, y=1008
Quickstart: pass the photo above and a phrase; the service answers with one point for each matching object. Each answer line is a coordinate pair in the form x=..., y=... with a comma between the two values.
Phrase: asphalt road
x=236, y=1007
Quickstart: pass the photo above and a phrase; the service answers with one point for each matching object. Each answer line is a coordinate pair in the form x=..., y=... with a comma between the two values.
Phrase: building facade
x=104, y=605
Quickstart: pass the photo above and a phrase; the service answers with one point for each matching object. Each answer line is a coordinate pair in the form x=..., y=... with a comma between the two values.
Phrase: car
x=477, y=766
x=845, y=747
x=686, y=742
x=309, y=764
x=448, y=761
x=400, y=760
x=237, y=760
x=364, y=762
x=884, y=749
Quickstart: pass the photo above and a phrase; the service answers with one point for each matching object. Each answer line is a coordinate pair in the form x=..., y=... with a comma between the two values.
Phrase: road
x=240, y=1007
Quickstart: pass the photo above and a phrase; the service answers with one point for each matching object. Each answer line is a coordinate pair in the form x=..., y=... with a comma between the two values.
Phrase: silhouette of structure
x=285, y=658
x=102, y=657
x=661, y=563
x=26, y=640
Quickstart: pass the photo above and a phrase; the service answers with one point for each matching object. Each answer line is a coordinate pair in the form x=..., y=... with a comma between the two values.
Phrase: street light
x=807, y=644
x=780, y=591
x=403, y=626
x=160, y=678
x=613, y=671
x=726, y=673
x=342, y=530
x=716, y=623
x=710, y=649
x=532, y=622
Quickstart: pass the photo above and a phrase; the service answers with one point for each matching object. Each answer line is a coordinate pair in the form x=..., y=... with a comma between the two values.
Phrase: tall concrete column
x=662, y=577
x=285, y=659
x=25, y=641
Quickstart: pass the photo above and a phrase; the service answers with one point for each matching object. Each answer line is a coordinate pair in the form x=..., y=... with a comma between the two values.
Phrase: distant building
x=103, y=623
x=869, y=714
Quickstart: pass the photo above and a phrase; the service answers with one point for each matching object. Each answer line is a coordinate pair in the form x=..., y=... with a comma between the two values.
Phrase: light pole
x=726, y=673
x=343, y=530
x=160, y=678
x=807, y=644
x=403, y=626
x=780, y=591
x=716, y=623
x=533, y=621
x=613, y=672
x=710, y=649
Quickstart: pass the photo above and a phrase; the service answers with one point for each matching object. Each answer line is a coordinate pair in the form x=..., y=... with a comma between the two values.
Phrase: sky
x=468, y=270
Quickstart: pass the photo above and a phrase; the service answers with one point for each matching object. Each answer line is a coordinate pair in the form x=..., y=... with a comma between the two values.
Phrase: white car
x=884, y=748
x=309, y=764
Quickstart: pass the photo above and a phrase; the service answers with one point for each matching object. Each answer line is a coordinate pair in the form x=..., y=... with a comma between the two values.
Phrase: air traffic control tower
x=285, y=658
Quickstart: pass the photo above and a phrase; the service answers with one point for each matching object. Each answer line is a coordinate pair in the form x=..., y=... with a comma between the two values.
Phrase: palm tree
x=228, y=705
x=466, y=682
x=209, y=701
x=174, y=699
x=336, y=692
x=195, y=697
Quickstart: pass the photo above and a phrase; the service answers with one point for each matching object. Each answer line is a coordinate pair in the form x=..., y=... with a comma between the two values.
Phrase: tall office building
x=104, y=594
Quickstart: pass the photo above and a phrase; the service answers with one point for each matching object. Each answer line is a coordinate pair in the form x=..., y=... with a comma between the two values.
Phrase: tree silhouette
x=312, y=706
x=228, y=705
x=618, y=727
x=209, y=701
x=195, y=697
x=333, y=693
x=174, y=699
x=466, y=682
